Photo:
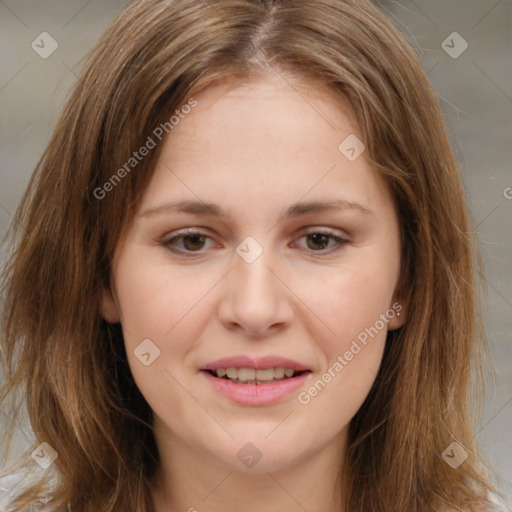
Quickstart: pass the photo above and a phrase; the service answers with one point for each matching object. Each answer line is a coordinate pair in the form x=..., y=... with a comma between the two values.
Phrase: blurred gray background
x=474, y=86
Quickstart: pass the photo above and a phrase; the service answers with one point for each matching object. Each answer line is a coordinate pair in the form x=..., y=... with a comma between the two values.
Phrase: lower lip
x=256, y=394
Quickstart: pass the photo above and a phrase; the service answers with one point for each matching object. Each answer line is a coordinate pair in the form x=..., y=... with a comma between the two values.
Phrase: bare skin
x=256, y=150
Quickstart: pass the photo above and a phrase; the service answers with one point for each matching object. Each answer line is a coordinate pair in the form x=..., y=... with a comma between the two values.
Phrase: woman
x=243, y=273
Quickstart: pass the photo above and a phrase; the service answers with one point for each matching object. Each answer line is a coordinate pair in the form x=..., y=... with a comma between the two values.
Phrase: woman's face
x=264, y=236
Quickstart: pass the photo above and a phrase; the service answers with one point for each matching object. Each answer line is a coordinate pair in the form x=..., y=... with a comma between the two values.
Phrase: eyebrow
x=295, y=210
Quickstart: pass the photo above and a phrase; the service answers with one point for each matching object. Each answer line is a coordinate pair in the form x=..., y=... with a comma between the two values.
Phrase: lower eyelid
x=169, y=242
x=340, y=242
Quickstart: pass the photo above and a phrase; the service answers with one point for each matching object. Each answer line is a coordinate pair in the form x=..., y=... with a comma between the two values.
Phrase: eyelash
x=168, y=244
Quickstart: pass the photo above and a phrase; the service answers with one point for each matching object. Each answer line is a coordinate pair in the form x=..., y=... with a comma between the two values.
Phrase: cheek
x=161, y=304
x=345, y=302
x=169, y=308
x=351, y=357
x=154, y=296
x=351, y=310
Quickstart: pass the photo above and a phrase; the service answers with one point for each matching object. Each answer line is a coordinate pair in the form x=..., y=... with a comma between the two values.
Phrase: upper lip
x=258, y=363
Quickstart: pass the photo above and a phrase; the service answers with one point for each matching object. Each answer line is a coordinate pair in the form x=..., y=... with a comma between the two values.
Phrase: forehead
x=267, y=139
x=299, y=94
x=271, y=120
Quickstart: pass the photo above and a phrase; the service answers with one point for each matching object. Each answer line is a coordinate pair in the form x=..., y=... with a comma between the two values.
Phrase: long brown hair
x=69, y=364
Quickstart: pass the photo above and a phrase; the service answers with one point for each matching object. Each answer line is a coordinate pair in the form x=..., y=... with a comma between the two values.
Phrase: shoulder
x=13, y=484
x=10, y=485
x=499, y=504
x=496, y=505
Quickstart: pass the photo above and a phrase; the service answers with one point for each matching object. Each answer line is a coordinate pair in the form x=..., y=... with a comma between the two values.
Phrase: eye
x=192, y=241
x=319, y=241
x=188, y=241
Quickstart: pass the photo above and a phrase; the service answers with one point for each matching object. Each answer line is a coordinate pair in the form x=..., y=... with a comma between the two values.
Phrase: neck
x=190, y=480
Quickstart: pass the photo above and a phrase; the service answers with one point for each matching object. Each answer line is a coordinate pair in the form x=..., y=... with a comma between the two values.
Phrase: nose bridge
x=254, y=284
x=255, y=279
x=255, y=299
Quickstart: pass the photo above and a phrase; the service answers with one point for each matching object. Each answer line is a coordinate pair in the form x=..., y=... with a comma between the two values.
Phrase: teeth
x=263, y=374
x=251, y=376
x=279, y=372
x=232, y=373
x=246, y=373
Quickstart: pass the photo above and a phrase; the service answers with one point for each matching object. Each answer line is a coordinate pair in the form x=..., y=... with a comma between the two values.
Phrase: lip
x=256, y=394
x=256, y=362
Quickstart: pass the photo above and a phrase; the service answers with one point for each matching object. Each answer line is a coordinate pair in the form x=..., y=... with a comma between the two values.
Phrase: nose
x=255, y=300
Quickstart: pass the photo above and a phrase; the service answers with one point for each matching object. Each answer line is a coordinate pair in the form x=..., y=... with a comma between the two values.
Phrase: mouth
x=255, y=381
x=252, y=376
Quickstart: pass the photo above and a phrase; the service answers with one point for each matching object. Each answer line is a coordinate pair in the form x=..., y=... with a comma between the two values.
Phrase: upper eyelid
x=304, y=231
x=341, y=237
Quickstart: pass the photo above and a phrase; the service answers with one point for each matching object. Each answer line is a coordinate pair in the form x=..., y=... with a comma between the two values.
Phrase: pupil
x=320, y=238
x=196, y=239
